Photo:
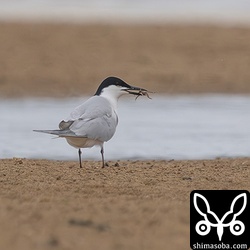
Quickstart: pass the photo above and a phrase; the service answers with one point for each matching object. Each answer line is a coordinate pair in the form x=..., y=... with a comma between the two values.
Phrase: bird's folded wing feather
x=94, y=119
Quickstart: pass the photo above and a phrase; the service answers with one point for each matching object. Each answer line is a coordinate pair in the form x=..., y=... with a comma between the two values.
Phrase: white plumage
x=94, y=121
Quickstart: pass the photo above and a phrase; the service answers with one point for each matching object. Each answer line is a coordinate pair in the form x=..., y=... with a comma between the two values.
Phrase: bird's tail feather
x=60, y=133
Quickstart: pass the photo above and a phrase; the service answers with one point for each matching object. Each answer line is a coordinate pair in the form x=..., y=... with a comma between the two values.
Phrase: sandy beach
x=130, y=204
x=71, y=60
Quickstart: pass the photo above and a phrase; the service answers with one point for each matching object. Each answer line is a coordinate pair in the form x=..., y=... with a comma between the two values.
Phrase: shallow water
x=166, y=127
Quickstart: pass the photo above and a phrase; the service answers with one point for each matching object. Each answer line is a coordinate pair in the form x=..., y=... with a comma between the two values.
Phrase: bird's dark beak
x=135, y=90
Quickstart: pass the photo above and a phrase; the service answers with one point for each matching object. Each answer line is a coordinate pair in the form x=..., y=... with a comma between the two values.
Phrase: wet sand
x=71, y=60
x=130, y=204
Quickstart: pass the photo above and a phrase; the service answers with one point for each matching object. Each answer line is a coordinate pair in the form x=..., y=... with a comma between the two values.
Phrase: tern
x=94, y=122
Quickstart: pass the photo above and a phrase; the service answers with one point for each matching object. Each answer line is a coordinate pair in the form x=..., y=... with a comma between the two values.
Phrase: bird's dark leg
x=102, y=153
x=80, y=160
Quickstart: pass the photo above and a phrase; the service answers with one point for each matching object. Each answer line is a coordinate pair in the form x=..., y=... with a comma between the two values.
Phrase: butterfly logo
x=210, y=219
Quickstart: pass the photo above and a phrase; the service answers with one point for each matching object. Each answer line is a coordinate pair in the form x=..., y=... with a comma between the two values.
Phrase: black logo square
x=219, y=219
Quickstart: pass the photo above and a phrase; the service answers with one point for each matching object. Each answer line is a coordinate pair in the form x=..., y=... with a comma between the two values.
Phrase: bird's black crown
x=111, y=81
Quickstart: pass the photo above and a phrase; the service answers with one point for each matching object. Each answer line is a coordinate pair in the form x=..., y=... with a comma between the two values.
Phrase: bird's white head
x=112, y=88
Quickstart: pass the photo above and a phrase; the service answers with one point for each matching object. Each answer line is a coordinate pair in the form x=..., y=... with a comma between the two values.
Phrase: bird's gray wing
x=95, y=119
x=80, y=112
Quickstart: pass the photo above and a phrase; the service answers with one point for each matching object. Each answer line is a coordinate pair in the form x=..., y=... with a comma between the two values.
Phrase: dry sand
x=128, y=205
x=71, y=60
x=131, y=204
